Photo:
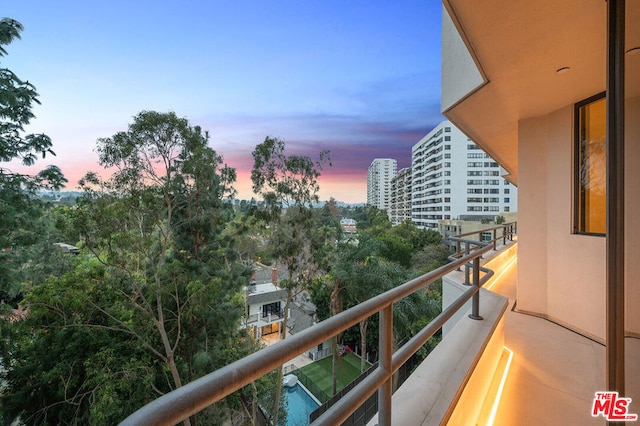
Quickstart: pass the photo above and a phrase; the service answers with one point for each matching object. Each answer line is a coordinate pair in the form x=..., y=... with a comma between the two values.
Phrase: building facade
x=379, y=176
x=264, y=304
x=400, y=204
x=454, y=179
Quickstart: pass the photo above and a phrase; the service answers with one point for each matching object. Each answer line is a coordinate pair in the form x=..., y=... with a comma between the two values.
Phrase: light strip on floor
x=495, y=279
x=496, y=402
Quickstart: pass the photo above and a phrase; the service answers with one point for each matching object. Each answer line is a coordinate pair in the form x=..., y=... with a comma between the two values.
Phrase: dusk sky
x=359, y=78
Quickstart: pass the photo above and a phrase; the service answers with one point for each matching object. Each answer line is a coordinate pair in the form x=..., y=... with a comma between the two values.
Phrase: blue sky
x=359, y=78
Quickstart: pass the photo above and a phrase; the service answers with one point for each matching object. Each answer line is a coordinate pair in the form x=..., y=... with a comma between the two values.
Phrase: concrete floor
x=555, y=372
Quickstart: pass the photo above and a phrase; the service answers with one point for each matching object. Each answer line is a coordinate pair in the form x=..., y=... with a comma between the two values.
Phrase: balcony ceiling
x=518, y=46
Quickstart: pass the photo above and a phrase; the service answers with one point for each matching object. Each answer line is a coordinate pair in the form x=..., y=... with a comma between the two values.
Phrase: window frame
x=577, y=188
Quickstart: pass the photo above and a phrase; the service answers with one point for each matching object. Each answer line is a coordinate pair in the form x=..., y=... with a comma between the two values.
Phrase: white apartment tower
x=381, y=171
x=454, y=179
x=400, y=208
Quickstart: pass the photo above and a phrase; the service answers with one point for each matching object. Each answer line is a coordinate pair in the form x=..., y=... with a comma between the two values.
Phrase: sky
x=358, y=78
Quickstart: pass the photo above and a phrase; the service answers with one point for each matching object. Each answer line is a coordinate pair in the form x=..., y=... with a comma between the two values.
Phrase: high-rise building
x=381, y=171
x=400, y=205
x=454, y=179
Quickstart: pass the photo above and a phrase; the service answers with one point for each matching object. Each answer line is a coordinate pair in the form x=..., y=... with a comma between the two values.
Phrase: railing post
x=475, y=300
x=386, y=353
x=495, y=233
x=458, y=251
x=466, y=265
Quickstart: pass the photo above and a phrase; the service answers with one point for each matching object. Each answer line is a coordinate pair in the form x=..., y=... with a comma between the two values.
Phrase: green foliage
x=62, y=372
x=371, y=219
x=430, y=257
x=383, y=258
x=285, y=181
x=288, y=185
x=17, y=98
x=154, y=301
x=18, y=209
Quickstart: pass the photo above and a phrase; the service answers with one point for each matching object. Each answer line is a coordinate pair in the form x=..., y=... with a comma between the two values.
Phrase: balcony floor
x=554, y=372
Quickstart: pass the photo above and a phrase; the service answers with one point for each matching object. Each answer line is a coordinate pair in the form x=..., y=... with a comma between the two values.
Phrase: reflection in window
x=590, y=171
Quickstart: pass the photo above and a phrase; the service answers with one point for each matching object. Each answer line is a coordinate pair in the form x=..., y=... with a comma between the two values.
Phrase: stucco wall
x=460, y=76
x=562, y=275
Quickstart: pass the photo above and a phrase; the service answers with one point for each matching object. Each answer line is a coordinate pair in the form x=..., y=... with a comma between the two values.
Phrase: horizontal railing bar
x=405, y=352
x=193, y=397
x=501, y=226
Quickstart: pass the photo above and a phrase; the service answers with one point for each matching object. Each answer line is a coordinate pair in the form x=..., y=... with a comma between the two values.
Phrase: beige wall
x=562, y=275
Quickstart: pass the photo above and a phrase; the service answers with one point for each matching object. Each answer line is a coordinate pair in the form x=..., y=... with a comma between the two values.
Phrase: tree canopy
x=154, y=302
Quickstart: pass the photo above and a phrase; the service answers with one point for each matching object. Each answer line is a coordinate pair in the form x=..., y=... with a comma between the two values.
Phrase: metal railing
x=181, y=403
x=270, y=317
x=464, y=246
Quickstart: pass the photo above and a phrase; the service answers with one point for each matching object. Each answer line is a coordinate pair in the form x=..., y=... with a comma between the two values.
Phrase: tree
x=164, y=277
x=17, y=207
x=289, y=186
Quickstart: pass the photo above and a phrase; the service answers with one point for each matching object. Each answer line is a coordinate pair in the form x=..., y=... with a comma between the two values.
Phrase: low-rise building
x=264, y=304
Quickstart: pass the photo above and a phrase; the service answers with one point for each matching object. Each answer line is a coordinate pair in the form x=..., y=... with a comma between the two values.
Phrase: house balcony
x=262, y=319
x=504, y=368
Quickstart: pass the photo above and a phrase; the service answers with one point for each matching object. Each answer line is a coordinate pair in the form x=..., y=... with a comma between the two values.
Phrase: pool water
x=300, y=405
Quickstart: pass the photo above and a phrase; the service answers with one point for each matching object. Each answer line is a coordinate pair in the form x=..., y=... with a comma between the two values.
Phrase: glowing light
x=496, y=278
x=496, y=402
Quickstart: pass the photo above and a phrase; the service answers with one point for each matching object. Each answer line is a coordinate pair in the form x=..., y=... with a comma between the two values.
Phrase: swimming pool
x=300, y=405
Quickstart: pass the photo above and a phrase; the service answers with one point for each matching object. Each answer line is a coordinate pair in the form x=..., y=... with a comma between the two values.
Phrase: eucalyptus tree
x=164, y=277
x=288, y=184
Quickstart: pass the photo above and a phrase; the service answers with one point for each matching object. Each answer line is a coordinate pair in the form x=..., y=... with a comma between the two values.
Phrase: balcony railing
x=181, y=403
x=268, y=318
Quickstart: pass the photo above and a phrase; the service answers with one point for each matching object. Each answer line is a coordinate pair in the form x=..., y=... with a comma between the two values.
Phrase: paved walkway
x=555, y=372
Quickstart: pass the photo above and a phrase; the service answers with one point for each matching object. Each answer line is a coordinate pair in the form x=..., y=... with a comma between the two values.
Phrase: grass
x=319, y=372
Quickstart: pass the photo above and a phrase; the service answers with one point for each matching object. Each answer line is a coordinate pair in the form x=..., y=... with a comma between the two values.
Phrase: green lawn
x=319, y=372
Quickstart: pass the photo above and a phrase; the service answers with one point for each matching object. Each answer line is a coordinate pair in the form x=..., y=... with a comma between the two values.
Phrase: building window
x=274, y=308
x=590, y=166
x=506, y=199
x=506, y=209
